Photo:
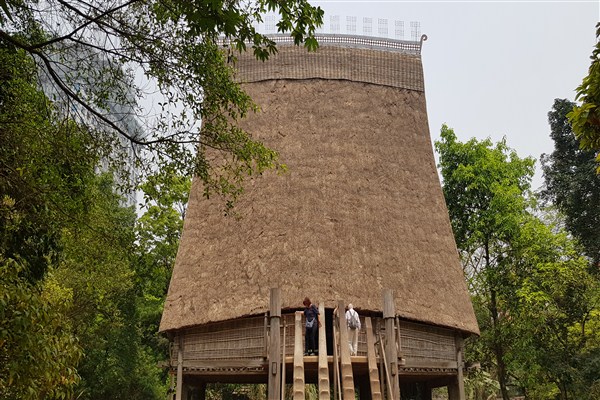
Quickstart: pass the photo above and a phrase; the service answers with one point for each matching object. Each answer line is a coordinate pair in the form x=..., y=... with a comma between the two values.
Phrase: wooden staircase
x=343, y=376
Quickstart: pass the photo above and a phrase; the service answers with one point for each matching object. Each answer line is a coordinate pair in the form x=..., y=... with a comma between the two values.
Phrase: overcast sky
x=492, y=68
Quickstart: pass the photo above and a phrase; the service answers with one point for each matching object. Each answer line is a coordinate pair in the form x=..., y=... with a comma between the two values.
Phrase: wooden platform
x=269, y=349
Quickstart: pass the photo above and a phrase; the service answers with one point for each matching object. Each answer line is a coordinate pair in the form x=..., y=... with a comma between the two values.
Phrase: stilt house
x=359, y=217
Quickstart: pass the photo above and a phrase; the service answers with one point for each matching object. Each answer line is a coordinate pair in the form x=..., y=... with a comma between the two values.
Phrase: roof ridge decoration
x=359, y=42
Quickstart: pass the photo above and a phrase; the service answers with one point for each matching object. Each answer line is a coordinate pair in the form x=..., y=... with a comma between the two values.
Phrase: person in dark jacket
x=312, y=324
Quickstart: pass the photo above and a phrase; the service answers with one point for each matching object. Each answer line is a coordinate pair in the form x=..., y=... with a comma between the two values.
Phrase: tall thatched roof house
x=360, y=209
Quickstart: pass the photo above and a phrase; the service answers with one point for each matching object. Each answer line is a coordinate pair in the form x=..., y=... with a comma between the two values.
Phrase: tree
x=44, y=166
x=159, y=228
x=68, y=311
x=158, y=232
x=585, y=118
x=536, y=302
x=487, y=192
x=554, y=313
x=94, y=52
x=38, y=352
x=571, y=184
x=96, y=265
x=43, y=161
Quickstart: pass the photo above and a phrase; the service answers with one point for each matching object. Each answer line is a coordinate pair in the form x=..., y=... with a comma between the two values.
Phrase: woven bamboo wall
x=427, y=343
x=229, y=340
x=244, y=339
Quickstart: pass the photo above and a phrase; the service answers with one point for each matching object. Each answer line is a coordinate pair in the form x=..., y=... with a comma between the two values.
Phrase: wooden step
x=372, y=362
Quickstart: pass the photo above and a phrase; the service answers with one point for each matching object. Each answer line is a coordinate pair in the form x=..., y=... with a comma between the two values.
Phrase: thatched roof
x=359, y=210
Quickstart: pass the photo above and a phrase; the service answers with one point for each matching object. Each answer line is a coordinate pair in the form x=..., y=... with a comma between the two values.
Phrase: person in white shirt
x=353, y=323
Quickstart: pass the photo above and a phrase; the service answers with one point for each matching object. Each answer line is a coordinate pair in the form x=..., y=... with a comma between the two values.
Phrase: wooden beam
x=411, y=363
x=222, y=364
x=274, y=371
x=347, y=376
x=179, y=387
x=323, y=364
x=391, y=351
x=298, y=387
x=266, y=336
x=372, y=362
x=456, y=390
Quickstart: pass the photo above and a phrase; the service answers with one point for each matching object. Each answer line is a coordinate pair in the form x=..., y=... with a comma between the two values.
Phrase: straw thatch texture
x=360, y=210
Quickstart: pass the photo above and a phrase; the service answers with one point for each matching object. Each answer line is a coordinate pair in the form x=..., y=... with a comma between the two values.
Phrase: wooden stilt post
x=456, y=390
x=274, y=384
x=401, y=360
x=363, y=388
x=427, y=391
x=283, y=361
x=185, y=393
x=347, y=376
x=171, y=385
x=202, y=391
x=298, y=388
x=179, y=383
x=388, y=386
x=323, y=364
x=391, y=353
x=372, y=362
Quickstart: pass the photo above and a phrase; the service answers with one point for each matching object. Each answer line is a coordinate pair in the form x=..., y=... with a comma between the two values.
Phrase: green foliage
x=158, y=232
x=486, y=188
x=97, y=265
x=99, y=277
x=570, y=178
x=585, y=118
x=228, y=391
x=178, y=48
x=479, y=385
x=70, y=322
x=42, y=162
x=42, y=170
x=38, y=352
x=535, y=300
x=554, y=306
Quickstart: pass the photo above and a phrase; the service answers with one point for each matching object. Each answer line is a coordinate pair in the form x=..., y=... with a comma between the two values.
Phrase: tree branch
x=89, y=22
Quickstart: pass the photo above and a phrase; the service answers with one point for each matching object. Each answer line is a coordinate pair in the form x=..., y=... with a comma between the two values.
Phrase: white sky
x=493, y=68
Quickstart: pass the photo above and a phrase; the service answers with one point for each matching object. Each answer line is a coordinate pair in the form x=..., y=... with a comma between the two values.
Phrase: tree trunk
x=497, y=345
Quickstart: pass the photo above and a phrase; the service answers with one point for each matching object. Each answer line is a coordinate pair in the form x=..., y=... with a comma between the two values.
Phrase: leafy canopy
x=585, y=118
x=571, y=184
x=486, y=187
x=535, y=299
x=150, y=72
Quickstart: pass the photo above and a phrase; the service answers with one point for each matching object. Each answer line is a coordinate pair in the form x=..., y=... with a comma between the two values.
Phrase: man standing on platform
x=353, y=323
